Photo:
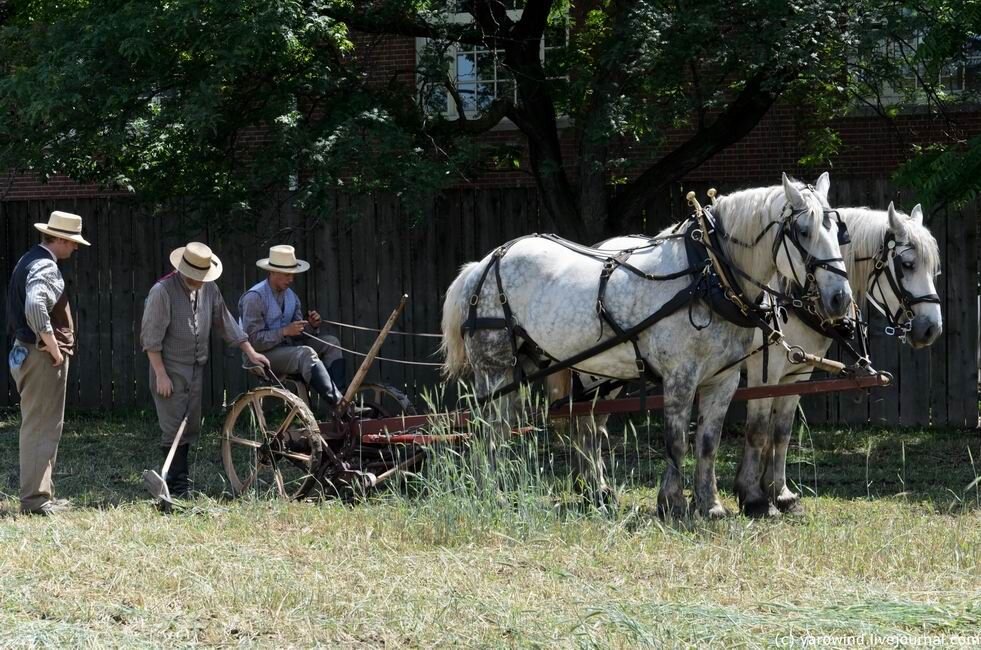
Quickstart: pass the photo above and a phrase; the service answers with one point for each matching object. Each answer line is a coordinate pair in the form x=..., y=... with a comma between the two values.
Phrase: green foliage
x=216, y=101
x=945, y=174
x=224, y=104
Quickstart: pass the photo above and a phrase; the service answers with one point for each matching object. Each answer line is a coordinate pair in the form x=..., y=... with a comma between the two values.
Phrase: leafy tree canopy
x=221, y=102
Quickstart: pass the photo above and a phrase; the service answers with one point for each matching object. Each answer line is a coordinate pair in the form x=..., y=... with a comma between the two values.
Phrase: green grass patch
x=890, y=544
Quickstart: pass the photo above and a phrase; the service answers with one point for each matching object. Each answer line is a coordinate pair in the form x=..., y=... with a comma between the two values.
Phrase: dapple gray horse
x=761, y=481
x=552, y=293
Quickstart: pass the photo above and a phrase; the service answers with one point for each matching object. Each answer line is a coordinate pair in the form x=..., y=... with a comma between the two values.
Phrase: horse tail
x=452, y=348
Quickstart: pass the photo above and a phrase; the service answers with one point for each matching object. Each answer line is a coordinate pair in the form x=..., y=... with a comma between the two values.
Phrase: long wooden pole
x=370, y=357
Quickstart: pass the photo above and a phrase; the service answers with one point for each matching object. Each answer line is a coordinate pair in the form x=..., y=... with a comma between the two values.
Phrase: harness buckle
x=697, y=234
x=879, y=265
x=514, y=361
x=641, y=368
x=503, y=298
x=474, y=299
x=889, y=330
x=799, y=304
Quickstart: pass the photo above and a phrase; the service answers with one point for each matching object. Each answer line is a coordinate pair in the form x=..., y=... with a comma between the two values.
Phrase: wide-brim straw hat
x=196, y=261
x=282, y=259
x=64, y=225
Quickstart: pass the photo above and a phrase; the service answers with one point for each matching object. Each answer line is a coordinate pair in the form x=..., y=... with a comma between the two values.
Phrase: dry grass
x=437, y=567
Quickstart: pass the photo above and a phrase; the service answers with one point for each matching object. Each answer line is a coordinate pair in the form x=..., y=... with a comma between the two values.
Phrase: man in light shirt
x=180, y=311
x=272, y=316
x=43, y=341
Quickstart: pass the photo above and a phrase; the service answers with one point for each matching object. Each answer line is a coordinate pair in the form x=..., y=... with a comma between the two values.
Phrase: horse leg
x=679, y=393
x=775, y=476
x=749, y=475
x=588, y=434
x=499, y=415
x=713, y=402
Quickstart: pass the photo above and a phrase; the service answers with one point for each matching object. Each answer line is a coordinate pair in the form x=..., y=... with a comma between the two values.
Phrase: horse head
x=901, y=282
x=807, y=249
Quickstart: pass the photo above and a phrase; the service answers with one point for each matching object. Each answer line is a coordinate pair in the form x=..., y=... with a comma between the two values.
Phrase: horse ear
x=794, y=197
x=896, y=224
x=823, y=184
x=916, y=216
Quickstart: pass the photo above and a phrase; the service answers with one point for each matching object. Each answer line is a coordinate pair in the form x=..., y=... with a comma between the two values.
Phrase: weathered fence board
x=374, y=249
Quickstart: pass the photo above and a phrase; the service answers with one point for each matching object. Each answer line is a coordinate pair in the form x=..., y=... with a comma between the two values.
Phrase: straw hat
x=64, y=225
x=282, y=259
x=196, y=261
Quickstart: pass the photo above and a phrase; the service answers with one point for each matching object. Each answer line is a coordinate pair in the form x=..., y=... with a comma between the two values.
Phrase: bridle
x=790, y=231
x=889, y=264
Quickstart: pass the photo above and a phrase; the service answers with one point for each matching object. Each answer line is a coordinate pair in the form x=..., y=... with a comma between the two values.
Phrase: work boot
x=50, y=508
x=321, y=382
x=338, y=372
x=178, y=483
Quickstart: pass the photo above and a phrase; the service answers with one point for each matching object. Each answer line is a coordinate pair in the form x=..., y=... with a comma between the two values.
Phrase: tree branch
x=488, y=119
x=737, y=120
x=492, y=18
x=533, y=20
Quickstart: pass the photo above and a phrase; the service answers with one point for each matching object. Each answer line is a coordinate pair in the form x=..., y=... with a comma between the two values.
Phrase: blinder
x=889, y=263
x=790, y=230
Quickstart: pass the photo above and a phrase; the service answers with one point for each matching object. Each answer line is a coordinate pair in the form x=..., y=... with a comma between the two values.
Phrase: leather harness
x=714, y=281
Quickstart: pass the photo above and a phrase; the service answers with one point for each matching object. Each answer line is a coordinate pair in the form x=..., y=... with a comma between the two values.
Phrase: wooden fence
x=374, y=250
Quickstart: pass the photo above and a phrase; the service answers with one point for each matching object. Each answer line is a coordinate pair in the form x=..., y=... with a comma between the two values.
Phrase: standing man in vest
x=180, y=311
x=272, y=318
x=44, y=339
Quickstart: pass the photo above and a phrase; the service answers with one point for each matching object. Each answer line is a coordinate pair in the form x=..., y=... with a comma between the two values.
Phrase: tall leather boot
x=338, y=372
x=178, y=482
x=321, y=382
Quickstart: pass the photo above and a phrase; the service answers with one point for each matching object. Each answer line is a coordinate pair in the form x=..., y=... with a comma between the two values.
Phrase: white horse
x=551, y=293
x=892, y=261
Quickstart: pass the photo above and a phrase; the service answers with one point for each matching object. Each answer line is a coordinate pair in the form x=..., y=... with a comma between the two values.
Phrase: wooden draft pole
x=370, y=357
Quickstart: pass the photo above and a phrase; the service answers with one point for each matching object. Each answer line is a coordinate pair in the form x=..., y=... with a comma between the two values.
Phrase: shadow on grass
x=934, y=467
x=102, y=457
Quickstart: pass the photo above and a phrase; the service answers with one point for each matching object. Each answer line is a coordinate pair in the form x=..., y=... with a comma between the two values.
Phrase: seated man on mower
x=272, y=318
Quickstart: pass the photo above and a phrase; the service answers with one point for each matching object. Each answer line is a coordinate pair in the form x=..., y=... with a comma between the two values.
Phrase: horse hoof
x=759, y=509
x=717, y=511
x=790, y=505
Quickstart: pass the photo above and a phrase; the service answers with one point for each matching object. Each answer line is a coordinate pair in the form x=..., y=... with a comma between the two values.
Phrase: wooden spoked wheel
x=383, y=401
x=271, y=444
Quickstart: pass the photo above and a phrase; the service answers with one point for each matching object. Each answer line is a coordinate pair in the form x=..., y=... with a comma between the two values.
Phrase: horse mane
x=868, y=228
x=745, y=214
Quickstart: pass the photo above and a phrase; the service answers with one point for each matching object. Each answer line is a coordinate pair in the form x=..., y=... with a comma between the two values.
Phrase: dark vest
x=17, y=297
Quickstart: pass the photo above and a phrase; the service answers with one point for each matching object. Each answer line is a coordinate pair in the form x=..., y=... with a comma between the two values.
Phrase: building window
x=476, y=72
x=961, y=76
